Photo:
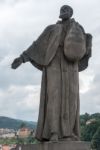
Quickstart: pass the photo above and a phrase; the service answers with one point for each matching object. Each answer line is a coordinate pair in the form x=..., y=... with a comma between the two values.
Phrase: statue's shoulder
x=52, y=28
x=49, y=31
x=59, y=22
x=46, y=32
x=76, y=22
x=49, y=28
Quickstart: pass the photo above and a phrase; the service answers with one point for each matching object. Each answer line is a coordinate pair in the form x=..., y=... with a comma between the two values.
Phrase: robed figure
x=60, y=52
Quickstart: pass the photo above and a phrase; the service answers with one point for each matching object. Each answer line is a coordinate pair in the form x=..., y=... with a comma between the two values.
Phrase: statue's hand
x=16, y=63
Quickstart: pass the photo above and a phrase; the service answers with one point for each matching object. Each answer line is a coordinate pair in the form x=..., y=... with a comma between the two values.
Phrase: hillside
x=10, y=123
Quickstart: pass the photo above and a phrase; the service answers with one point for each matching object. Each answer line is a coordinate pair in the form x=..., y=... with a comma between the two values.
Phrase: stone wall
x=64, y=145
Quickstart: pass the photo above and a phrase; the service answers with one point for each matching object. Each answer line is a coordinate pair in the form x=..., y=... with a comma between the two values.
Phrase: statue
x=60, y=52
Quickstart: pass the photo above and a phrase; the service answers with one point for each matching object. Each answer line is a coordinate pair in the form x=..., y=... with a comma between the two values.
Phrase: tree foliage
x=96, y=140
x=91, y=131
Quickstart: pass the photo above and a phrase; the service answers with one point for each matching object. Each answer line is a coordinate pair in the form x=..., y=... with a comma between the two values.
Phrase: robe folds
x=59, y=99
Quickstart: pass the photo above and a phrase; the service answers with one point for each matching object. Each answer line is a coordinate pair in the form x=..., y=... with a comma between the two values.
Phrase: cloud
x=21, y=22
x=24, y=75
x=20, y=102
x=90, y=100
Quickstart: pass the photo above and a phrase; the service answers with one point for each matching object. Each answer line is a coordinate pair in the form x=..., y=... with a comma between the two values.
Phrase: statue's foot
x=75, y=138
x=66, y=139
x=54, y=137
x=70, y=138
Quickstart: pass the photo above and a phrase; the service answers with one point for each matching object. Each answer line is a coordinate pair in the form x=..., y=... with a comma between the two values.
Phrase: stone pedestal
x=64, y=145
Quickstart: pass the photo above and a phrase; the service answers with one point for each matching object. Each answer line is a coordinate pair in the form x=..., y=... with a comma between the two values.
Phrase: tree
x=89, y=130
x=96, y=140
x=23, y=125
x=84, y=118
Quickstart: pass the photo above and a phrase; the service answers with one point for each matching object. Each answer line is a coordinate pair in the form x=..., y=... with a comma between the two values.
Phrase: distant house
x=7, y=133
x=24, y=132
x=90, y=121
x=5, y=147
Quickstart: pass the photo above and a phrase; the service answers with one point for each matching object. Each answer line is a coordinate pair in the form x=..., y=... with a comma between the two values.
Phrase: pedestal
x=64, y=145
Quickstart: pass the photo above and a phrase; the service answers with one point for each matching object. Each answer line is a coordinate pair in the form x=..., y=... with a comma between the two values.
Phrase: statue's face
x=66, y=12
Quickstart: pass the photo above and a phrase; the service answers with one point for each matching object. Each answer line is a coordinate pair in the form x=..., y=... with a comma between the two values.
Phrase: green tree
x=96, y=116
x=89, y=130
x=96, y=140
x=86, y=117
x=23, y=125
x=20, y=141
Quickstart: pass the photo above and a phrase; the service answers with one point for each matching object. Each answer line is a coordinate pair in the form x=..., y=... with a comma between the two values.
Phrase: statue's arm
x=36, y=52
x=23, y=58
x=19, y=60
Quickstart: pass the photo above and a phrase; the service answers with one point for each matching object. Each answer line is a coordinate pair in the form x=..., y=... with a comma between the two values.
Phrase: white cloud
x=20, y=102
x=85, y=79
x=21, y=22
x=26, y=74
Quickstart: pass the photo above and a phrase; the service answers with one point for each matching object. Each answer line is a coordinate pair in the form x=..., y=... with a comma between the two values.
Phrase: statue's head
x=66, y=12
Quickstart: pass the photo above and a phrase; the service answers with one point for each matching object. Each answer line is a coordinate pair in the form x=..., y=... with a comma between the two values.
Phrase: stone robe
x=59, y=100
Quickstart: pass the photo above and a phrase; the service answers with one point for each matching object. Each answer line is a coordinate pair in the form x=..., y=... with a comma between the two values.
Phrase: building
x=7, y=147
x=7, y=133
x=24, y=132
x=90, y=121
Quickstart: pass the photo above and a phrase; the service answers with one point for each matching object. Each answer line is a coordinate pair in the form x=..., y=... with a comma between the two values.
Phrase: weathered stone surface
x=59, y=54
x=55, y=146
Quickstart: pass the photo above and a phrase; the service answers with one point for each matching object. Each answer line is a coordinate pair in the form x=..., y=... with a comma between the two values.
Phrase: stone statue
x=60, y=52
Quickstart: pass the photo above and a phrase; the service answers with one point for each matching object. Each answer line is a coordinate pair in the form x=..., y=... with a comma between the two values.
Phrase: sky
x=21, y=22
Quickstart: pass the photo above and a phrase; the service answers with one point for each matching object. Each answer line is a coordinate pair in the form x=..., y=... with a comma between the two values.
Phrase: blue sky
x=21, y=22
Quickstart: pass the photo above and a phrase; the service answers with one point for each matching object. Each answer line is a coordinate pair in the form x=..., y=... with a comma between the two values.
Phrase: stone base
x=64, y=145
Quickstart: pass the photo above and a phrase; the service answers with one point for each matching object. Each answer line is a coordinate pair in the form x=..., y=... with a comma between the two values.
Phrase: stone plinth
x=64, y=145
